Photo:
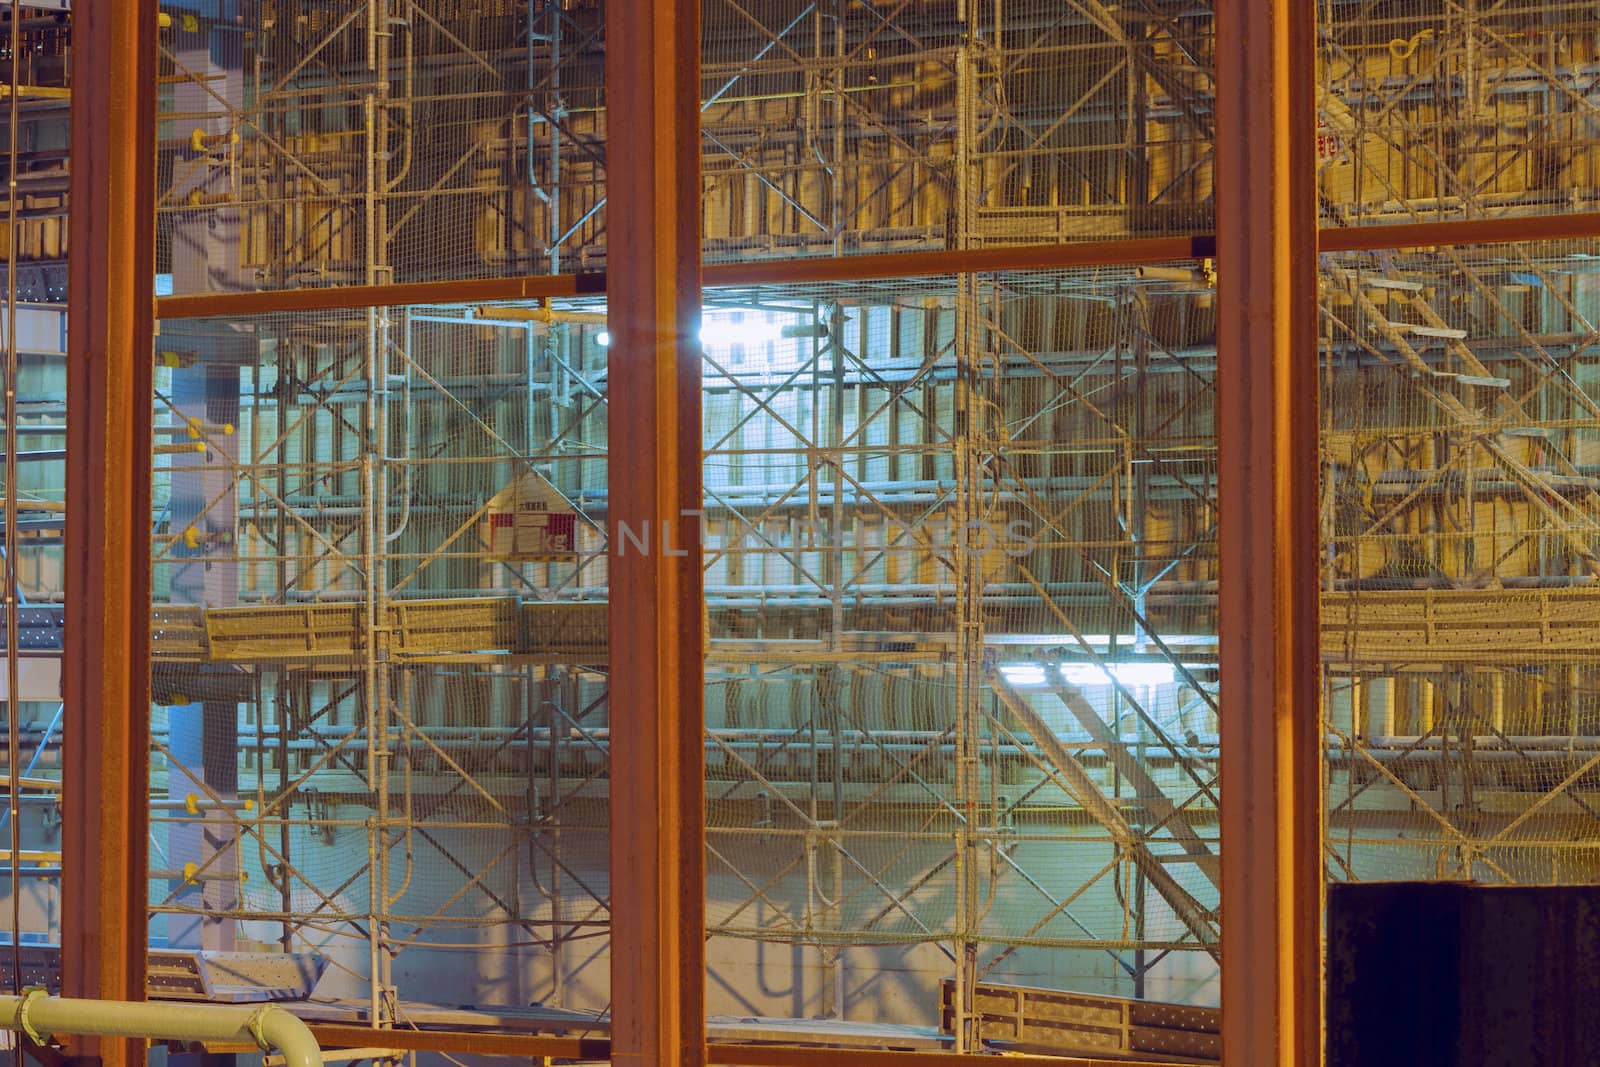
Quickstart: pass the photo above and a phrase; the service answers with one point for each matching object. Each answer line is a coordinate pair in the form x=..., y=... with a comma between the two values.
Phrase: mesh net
x=1460, y=512
x=832, y=129
x=382, y=722
x=960, y=590
x=960, y=531
x=370, y=141
x=39, y=480
x=32, y=477
x=961, y=674
x=312, y=143
x=1462, y=111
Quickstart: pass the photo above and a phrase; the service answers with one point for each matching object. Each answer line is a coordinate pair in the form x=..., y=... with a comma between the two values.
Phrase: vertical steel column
x=1267, y=438
x=657, y=707
x=106, y=662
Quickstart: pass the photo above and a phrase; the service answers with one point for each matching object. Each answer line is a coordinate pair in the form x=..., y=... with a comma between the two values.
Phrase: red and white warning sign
x=1329, y=146
x=529, y=521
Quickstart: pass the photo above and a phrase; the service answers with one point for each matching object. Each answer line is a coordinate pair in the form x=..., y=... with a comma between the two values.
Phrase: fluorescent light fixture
x=1022, y=673
x=1088, y=675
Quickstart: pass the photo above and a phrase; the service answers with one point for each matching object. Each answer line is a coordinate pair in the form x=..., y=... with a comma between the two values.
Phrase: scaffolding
x=959, y=530
x=914, y=494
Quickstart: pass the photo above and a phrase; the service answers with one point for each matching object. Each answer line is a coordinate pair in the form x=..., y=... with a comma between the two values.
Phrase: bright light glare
x=1126, y=673
x=751, y=329
x=1087, y=674
x=725, y=330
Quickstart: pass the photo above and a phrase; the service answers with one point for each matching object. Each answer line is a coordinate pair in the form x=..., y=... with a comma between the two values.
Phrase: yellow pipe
x=29, y=855
x=38, y=92
x=265, y=1026
x=191, y=803
x=542, y=314
x=192, y=875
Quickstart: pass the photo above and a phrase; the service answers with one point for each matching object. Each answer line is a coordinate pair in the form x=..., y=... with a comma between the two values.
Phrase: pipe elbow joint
x=274, y=1028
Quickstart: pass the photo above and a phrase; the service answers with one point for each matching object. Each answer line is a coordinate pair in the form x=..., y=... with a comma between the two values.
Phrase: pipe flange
x=29, y=995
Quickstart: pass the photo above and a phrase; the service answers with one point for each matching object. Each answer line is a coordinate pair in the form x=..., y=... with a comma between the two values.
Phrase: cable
x=1405, y=48
x=13, y=658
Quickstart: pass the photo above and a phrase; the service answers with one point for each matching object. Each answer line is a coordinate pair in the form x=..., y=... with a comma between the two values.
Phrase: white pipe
x=266, y=1026
x=1424, y=705
x=1380, y=708
x=1344, y=705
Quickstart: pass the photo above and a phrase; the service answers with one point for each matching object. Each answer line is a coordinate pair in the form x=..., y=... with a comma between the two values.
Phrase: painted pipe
x=266, y=1026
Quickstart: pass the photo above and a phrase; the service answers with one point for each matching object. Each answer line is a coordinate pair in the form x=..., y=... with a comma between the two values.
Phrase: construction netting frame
x=381, y=700
x=1457, y=451
x=1458, y=625
x=379, y=648
x=961, y=713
